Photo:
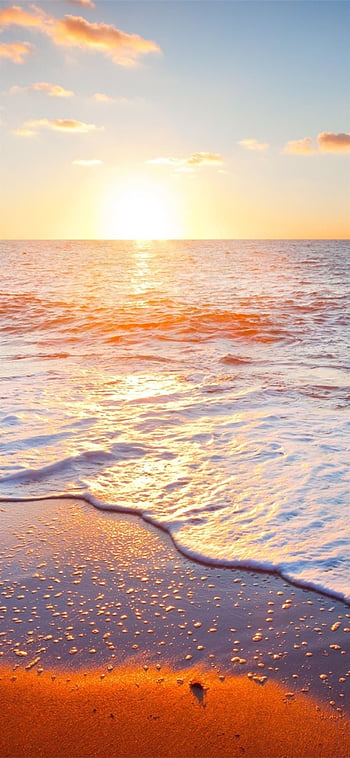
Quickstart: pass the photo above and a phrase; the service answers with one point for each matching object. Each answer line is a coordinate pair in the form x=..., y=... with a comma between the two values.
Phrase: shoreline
x=195, y=558
x=100, y=606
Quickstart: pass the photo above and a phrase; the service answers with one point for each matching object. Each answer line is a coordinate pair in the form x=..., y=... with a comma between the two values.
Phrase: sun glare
x=139, y=211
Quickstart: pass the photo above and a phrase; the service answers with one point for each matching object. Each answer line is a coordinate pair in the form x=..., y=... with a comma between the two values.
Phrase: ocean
x=204, y=385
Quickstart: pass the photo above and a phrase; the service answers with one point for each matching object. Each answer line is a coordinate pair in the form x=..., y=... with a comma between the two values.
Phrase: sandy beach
x=135, y=714
x=114, y=644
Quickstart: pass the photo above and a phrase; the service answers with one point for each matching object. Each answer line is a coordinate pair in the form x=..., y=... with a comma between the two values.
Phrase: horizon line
x=174, y=239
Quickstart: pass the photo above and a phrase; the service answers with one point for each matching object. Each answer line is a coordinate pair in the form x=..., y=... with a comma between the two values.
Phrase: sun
x=139, y=210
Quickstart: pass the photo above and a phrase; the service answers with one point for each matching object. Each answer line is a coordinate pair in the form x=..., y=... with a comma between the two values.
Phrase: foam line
x=248, y=565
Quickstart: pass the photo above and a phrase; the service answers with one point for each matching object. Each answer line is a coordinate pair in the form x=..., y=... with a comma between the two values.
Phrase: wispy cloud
x=187, y=164
x=300, y=146
x=121, y=47
x=87, y=163
x=101, y=97
x=76, y=31
x=329, y=142
x=36, y=123
x=52, y=90
x=253, y=144
x=83, y=3
x=16, y=51
x=15, y=16
x=57, y=124
x=23, y=132
x=71, y=125
x=204, y=159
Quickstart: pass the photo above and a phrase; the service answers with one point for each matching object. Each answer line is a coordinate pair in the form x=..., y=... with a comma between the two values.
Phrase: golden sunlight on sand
x=132, y=713
x=113, y=644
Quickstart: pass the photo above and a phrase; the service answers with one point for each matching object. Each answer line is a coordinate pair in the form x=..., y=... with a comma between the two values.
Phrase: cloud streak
x=122, y=48
x=16, y=16
x=186, y=164
x=101, y=97
x=16, y=51
x=67, y=125
x=75, y=31
x=52, y=90
x=254, y=144
x=23, y=132
x=71, y=125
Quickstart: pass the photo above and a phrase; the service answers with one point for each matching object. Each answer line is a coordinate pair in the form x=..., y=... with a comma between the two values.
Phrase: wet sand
x=104, y=626
x=139, y=714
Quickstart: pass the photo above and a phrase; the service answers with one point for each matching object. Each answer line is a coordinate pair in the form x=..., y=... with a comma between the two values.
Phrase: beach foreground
x=136, y=714
x=114, y=644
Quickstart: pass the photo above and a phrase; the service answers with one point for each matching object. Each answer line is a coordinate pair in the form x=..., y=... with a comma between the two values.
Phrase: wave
x=98, y=457
x=235, y=360
x=20, y=315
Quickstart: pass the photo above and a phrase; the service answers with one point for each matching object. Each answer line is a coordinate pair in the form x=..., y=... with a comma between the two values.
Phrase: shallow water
x=204, y=384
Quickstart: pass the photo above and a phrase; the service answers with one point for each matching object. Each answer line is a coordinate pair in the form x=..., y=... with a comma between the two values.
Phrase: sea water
x=204, y=385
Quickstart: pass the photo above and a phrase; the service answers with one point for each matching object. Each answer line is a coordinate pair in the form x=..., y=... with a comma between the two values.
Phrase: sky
x=174, y=119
